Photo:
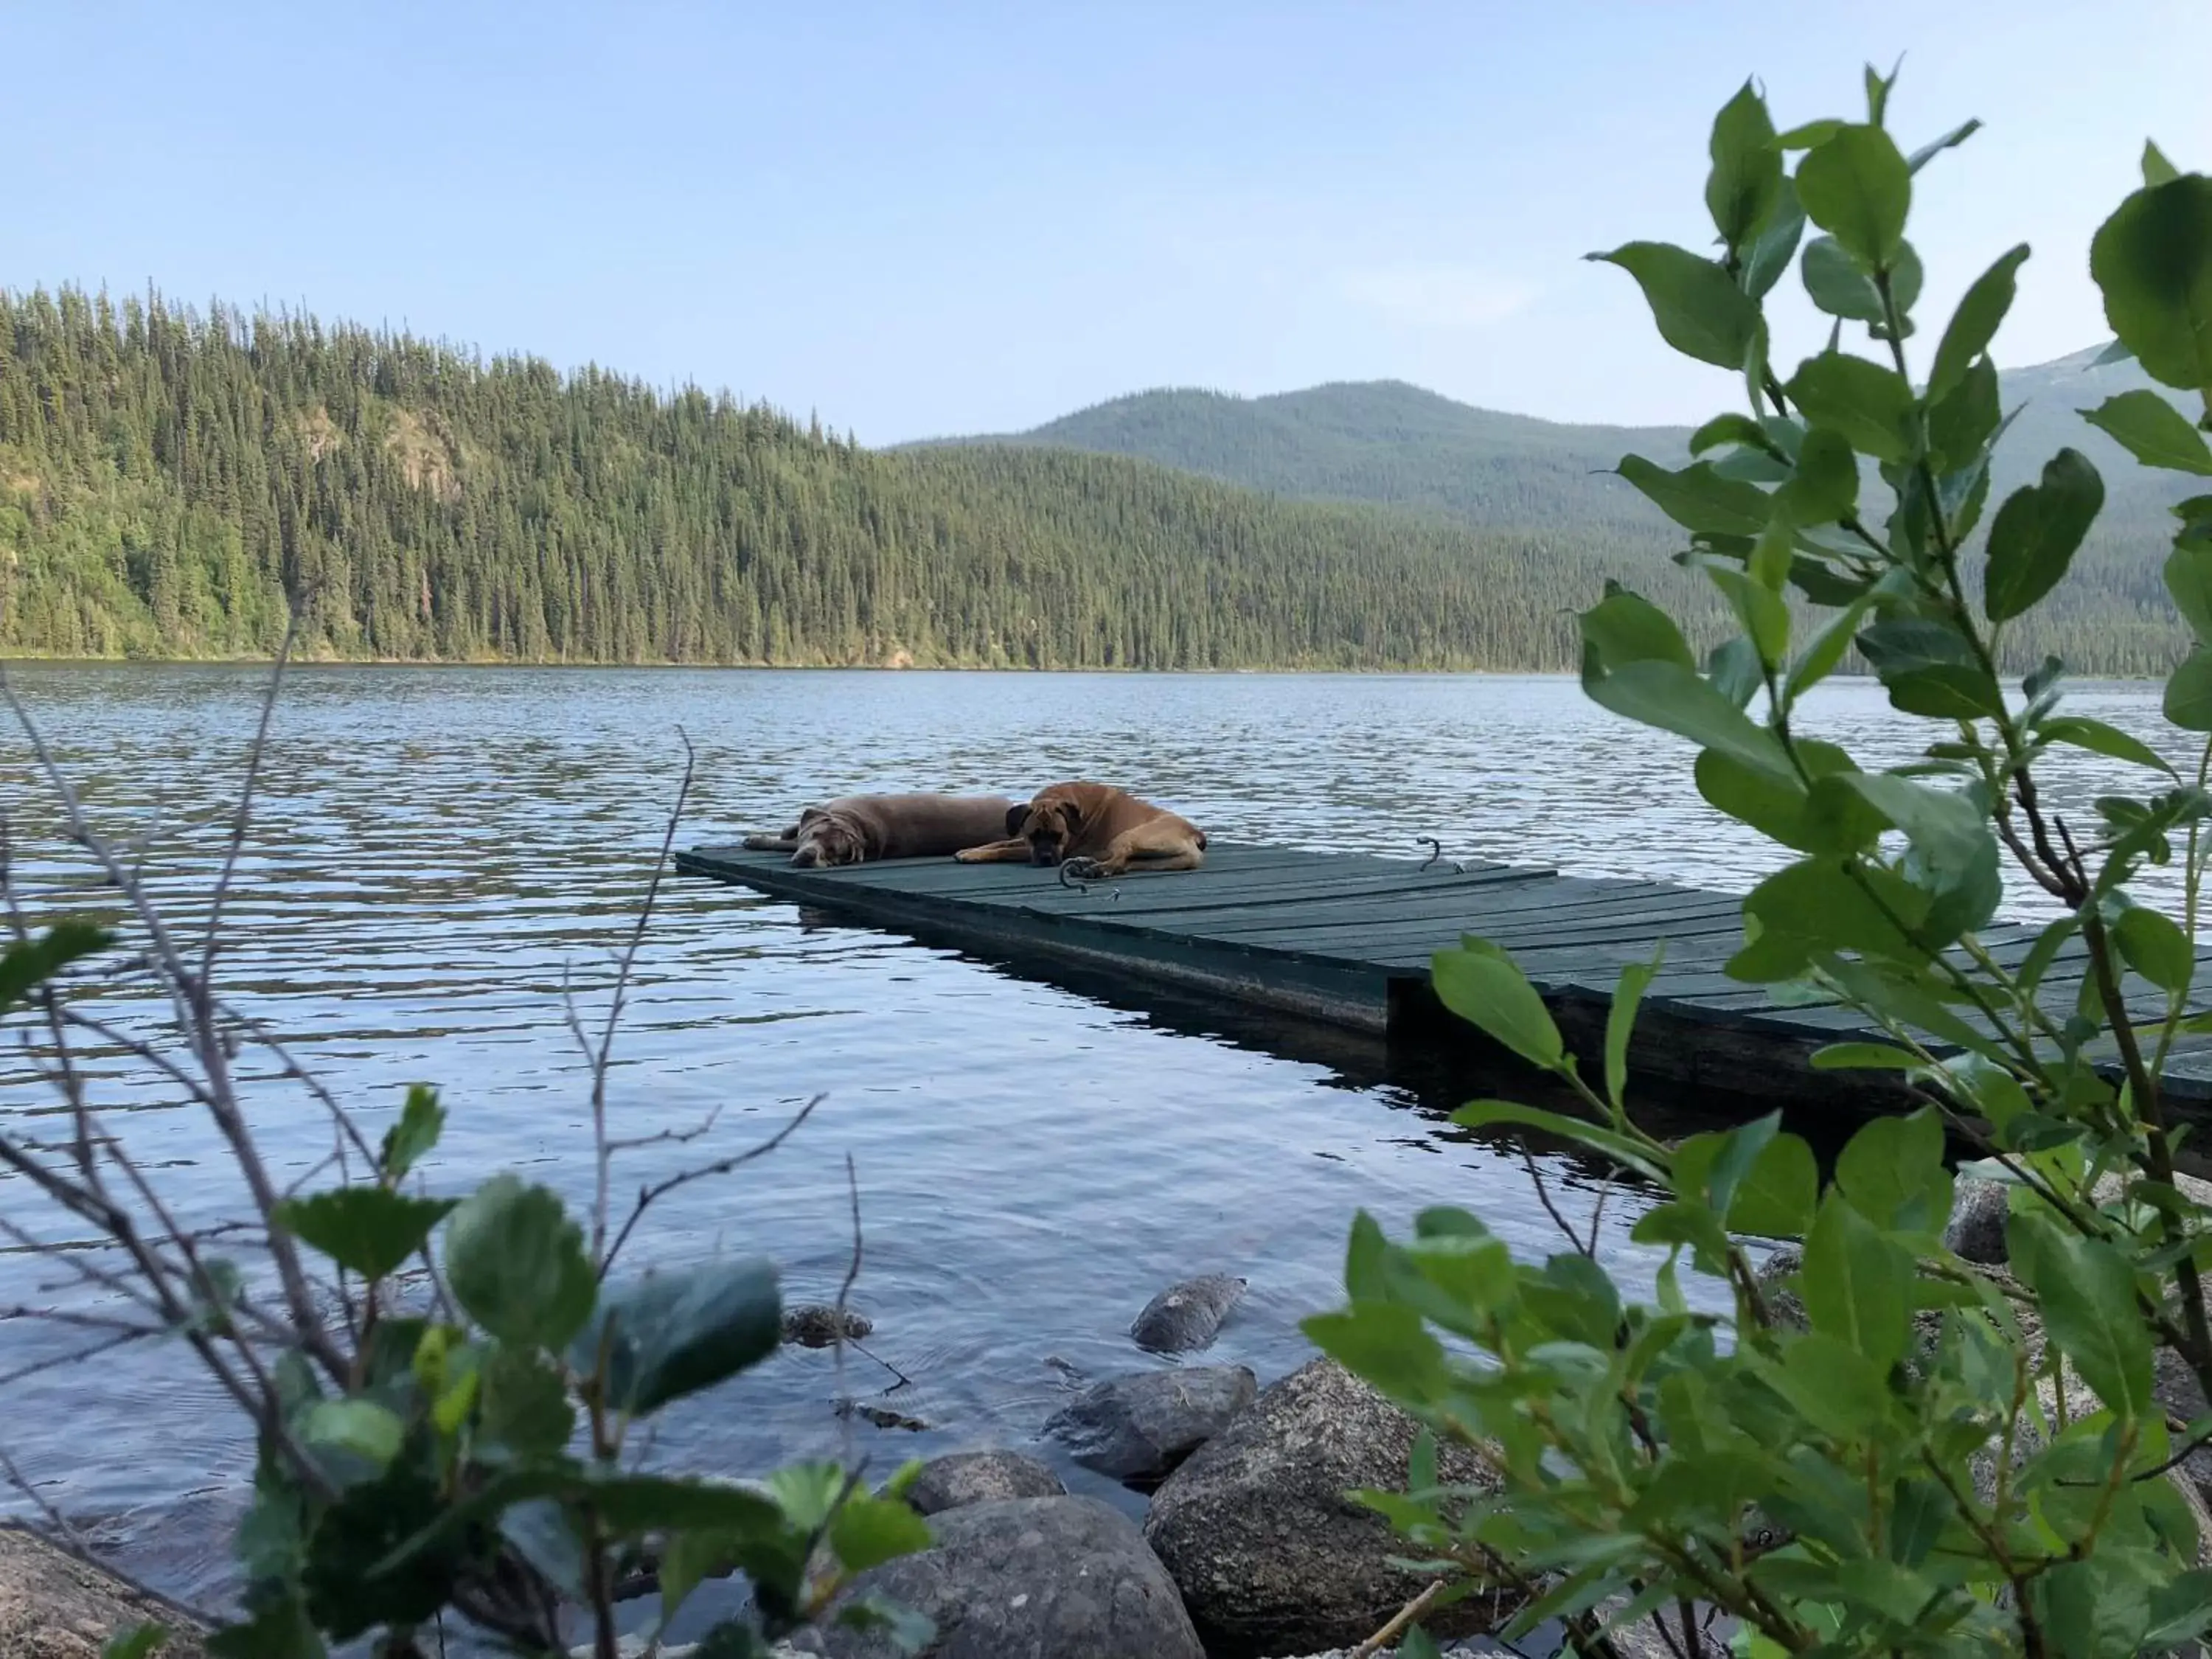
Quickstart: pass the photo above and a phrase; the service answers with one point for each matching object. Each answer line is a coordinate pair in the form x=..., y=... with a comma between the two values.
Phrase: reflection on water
x=439, y=853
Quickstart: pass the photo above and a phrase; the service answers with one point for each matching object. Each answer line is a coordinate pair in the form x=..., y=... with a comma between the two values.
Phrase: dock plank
x=1349, y=938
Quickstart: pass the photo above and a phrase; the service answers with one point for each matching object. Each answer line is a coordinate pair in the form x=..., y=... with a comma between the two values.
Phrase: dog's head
x=826, y=840
x=1049, y=822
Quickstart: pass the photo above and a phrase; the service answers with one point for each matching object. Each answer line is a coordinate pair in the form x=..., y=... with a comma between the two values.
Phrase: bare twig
x=649, y=1195
x=844, y=1300
x=1400, y=1621
x=15, y=1477
x=243, y=817
x=627, y=963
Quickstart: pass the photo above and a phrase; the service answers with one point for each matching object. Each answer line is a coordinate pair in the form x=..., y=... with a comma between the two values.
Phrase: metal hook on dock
x=1079, y=885
x=1436, y=852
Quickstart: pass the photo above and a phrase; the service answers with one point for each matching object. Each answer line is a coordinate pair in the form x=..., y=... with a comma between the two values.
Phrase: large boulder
x=56, y=1603
x=1139, y=1429
x=984, y=1477
x=1026, y=1579
x=1271, y=1555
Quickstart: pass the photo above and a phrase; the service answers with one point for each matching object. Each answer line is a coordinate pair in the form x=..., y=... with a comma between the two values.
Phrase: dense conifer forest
x=168, y=475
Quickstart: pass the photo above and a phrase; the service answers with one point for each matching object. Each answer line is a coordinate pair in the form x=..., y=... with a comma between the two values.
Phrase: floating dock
x=1346, y=939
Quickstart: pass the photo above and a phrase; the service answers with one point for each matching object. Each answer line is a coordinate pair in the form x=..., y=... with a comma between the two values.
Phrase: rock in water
x=988, y=1477
x=1269, y=1553
x=57, y=1604
x=1186, y=1316
x=1139, y=1429
x=1026, y=1579
x=813, y=1325
x=1977, y=1227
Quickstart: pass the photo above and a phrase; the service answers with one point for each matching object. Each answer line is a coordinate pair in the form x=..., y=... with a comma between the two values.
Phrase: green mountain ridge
x=167, y=477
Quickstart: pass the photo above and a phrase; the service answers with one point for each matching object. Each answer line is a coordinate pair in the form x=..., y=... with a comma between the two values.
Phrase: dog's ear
x=807, y=814
x=1016, y=817
x=1072, y=813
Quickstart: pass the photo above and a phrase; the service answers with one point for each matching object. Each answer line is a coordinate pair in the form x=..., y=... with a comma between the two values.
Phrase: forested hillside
x=167, y=476
x=1387, y=442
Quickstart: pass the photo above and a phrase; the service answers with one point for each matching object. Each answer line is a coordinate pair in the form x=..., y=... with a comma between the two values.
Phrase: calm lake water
x=438, y=851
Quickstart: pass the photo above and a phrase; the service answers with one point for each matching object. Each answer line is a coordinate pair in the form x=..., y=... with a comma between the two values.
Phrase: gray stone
x=1271, y=1556
x=984, y=1477
x=1026, y=1579
x=58, y=1604
x=1137, y=1429
x=1976, y=1228
x=817, y=1325
x=1185, y=1317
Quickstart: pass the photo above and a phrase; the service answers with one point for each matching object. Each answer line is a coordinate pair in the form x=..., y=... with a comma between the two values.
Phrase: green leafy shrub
x=447, y=1392
x=1872, y=1446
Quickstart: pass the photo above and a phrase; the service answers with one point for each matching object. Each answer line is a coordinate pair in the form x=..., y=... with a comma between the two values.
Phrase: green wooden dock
x=1346, y=939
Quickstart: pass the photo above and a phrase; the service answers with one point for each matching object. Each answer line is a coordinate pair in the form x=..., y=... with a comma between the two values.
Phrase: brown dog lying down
x=1092, y=829
x=862, y=829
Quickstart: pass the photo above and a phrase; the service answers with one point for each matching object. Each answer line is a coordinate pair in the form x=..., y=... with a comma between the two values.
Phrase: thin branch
x=1400, y=1621
x=844, y=1298
x=22, y=1482
x=647, y=1196
x=244, y=816
x=621, y=994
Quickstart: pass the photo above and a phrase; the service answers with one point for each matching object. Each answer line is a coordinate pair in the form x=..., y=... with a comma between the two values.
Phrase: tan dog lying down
x=862, y=829
x=1092, y=829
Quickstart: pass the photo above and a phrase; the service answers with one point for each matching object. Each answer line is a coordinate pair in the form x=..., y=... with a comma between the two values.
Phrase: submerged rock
x=1271, y=1556
x=1139, y=1429
x=816, y=1325
x=986, y=1477
x=56, y=1603
x=1026, y=1579
x=1186, y=1316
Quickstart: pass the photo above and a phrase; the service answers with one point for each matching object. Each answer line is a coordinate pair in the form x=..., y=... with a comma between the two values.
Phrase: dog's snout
x=807, y=856
x=1044, y=852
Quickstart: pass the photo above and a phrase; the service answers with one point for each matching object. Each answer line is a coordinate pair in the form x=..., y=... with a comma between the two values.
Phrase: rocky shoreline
x=1250, y=1547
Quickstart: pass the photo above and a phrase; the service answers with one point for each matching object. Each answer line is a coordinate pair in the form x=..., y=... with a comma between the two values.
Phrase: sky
x=934, y=217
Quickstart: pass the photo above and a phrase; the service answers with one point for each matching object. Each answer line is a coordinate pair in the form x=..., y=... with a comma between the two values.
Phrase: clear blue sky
x=934, y=216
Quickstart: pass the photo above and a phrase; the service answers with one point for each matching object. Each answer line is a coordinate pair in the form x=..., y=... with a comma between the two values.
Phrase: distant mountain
x=1387, y=442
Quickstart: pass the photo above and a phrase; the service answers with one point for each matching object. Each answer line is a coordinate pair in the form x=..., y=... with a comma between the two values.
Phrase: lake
x=437, y=852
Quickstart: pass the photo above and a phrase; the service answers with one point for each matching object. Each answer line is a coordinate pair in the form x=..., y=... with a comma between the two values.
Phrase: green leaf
x=633, y=1505
x=1621, y=1022
x=1734, y=671
x=1857, y=1283
x=2188, y=575
x=1865, y=1056
x=1928, y=668
x=1626, y=628
x=866, y=1532
x=1385, y=1346
x=1699, y=498
x=517, y=1264
x=1486, y=988
x=2154, y=431
x=1833, y=1385
x=140, y=1642
x=1855, y=187
x=2152, y=260
x=2089, y=1295
x=1700, y=311
x=29, y=963
x=276, y=1629
x=1870, y=407
x=1777, y=1195
x=525, y=1406
x=370, y=1431
x=2155, y=948
x=1745, y=180
x=1709, y=1167
x=1951, y=140
x=1826, y=485
x=1674, y=699
x=1624, y=1150
x=2098, y=738
x=2189, y=692
x=669, y=1334
x=1893, y=1172
x=1837, y=283
x=1981, y=312
x=369, y=1231
x=1817, y=907
x=1960, y=427
x=1768, y=256
x=1955, y=855
x=420, y=1122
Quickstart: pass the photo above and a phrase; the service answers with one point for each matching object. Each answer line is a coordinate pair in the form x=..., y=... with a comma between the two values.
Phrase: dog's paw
x=1083, y=869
